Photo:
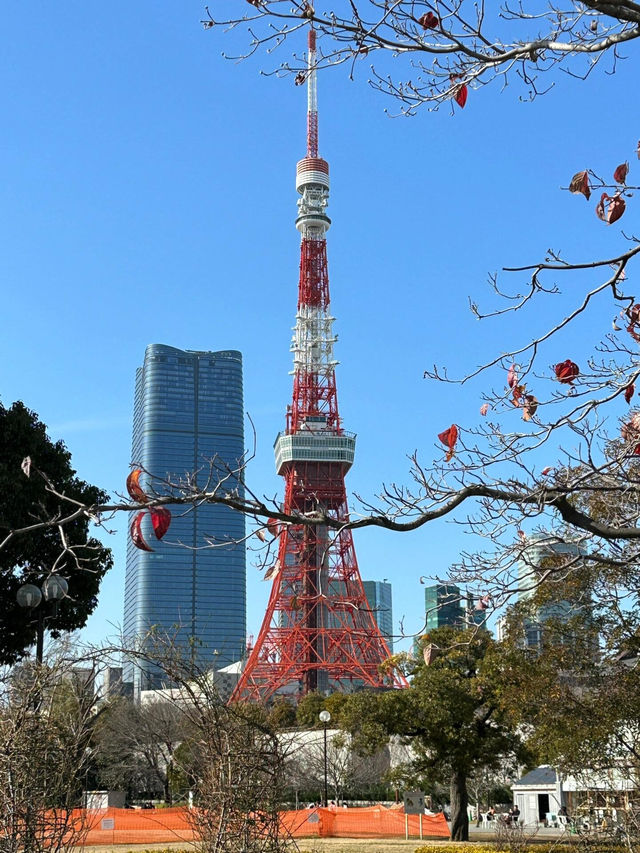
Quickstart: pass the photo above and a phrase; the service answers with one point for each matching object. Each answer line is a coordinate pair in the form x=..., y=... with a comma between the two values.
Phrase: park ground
x=322, y=845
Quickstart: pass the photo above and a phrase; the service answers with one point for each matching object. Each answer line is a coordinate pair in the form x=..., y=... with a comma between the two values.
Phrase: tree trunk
x=166, y=784
x=459, y=804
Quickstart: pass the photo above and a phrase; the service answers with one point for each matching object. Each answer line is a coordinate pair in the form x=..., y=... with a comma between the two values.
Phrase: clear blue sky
x=148, y=196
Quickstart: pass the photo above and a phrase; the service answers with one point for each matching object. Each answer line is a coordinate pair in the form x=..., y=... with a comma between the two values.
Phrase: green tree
x=580, y=712
x=282, y=714
x=451, y=715
x=308, y=711
x=27, y=500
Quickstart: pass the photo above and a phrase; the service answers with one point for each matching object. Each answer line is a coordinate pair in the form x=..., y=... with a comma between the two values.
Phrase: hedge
x=535, y=847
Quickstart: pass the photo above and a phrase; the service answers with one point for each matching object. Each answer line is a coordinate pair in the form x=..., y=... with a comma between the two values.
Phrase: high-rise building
x=561, y=605
x=189, y=422
x=446, y=604
x=443, y=606
x=380, y=601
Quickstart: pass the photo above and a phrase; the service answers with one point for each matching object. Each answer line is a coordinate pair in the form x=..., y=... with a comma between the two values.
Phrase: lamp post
x=325, y=716
x=31, y=597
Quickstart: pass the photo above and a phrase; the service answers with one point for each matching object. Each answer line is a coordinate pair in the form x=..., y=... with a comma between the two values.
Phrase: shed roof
x=543, y=775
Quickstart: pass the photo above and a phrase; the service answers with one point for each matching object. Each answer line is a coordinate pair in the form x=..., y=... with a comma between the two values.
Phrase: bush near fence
x=535, y=847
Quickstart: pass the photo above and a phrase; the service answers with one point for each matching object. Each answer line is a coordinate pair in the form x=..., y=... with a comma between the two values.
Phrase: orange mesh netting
x=374, y=822
x=151, y=826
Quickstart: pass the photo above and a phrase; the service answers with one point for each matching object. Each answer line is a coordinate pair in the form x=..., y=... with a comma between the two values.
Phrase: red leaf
x=518, y=394
x=260, y=535
x=620, y=174
x=600, y=207
x=529, y=407
x=134, y=488
x=160, y=519
x=629, y=391
x=273, y=526
x=484, y=408
x=546, y=470
x=512, y=376
x=633, y=313
x=616, y=209
x=449, y=438
x=580, y=184
x=136, y=533
x=566, y=371
x=460, y=95
x=429, y=21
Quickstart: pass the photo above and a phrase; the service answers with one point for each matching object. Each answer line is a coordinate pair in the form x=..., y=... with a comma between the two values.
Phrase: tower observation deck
x=319, y=632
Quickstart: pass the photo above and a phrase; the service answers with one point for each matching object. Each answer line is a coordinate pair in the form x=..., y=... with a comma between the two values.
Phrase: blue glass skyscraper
x=379, y=597
x=189, y=421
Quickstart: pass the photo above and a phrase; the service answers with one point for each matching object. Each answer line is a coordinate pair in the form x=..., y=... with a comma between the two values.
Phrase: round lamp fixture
x=29, y=595
x=55, y=588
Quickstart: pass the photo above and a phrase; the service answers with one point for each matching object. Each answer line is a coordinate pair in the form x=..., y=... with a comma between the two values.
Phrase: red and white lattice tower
x=319, y=632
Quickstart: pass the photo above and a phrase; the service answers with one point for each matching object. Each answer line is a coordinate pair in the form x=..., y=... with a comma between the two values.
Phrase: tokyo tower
x=319, y=632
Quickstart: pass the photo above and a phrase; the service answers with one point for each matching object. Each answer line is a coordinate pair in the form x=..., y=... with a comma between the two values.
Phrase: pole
x=420, y=826
x=326, y=799
x=40, y=636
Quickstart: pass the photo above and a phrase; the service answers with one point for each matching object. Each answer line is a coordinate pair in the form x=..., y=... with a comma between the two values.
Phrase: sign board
x=413, y=802
x=108, y=823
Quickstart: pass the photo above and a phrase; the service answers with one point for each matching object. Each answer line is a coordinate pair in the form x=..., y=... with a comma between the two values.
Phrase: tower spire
x=319, y=632
x=312, y=96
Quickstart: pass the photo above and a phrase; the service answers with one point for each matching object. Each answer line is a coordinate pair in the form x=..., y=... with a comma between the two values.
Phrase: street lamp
x=30, y=596
x=325, y=716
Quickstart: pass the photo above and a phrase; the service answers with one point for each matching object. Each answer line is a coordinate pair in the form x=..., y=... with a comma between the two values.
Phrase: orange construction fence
x=160, y=826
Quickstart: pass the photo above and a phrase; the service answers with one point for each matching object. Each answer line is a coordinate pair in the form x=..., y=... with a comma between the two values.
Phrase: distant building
x=447, y=605
x=189, y=421
x=113, y=684
x=84, y=681
x=443, y=606
x=380, y=601
x=541, y=552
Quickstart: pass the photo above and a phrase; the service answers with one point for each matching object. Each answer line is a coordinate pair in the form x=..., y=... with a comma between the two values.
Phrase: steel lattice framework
x=319, y=632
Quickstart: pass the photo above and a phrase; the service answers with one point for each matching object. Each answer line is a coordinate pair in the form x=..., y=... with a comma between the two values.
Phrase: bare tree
x=46, y=722
x=346, y=769
x=136, y=745
x=444, y=49
x=230, y=756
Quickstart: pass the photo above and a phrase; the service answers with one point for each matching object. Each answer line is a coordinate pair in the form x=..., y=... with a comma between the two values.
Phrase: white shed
x=538, y=794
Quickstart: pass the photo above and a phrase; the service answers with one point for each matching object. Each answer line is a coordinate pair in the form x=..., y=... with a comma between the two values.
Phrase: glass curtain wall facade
x=189, y=421
x=380, y=601
x=443, y=606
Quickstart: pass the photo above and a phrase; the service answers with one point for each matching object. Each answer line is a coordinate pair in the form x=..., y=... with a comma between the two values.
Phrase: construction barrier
x=162, y=826
x=374, y=822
